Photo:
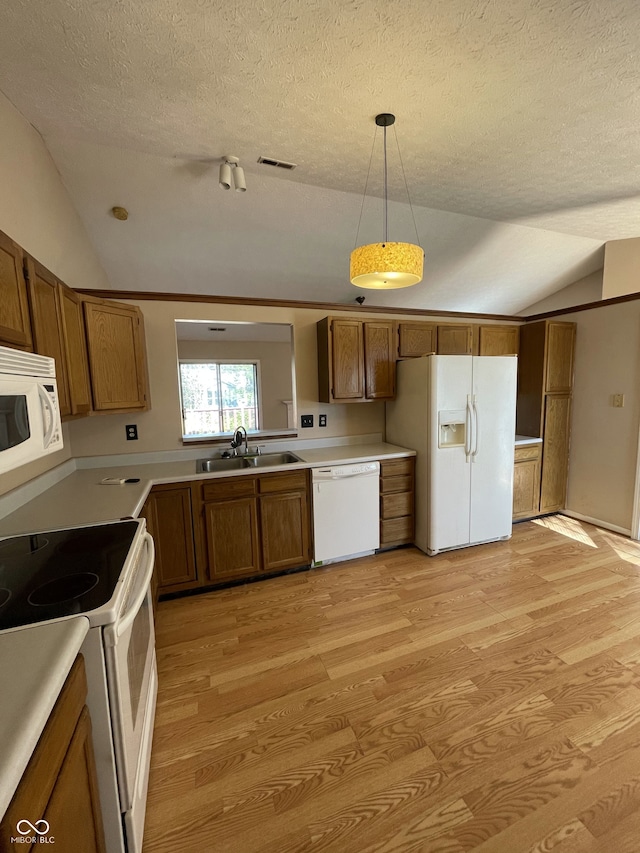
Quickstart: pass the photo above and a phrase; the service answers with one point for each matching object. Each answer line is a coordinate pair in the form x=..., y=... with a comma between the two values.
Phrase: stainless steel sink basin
x=237, y=463
x=208, y=466
x=269, y=459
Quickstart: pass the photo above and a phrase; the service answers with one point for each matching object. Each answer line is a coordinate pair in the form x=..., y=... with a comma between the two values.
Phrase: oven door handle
x=125, y=623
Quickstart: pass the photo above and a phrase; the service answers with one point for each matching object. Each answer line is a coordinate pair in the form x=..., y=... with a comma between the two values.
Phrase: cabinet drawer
x=396, y=484
x=527, y=451
x=396, y=530
x=231, y=487
x=396, y=467
x=395, y=505
x=288, y=481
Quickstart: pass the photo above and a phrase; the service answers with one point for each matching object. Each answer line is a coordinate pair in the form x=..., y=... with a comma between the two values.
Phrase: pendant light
x=386, y=266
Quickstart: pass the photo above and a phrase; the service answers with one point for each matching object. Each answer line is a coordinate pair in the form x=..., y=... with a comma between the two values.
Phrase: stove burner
x=63, y=589
x=5, y=595
x=22, y=546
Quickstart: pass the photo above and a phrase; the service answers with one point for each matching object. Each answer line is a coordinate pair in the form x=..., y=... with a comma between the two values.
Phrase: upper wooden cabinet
x=498, y=340
x=75, y=349
x=416, y=339
x=117, y=359
x=46, y=324
x=558, y=357
x=356, y=360
x=15, y=325
x=454, y=339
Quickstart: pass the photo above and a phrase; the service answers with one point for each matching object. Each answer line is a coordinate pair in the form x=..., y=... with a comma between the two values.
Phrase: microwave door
x=14, y=421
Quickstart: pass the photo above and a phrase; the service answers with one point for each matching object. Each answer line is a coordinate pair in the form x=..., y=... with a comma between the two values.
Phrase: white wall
x=602, y=459
x=621, y=268
x=35, y=208
x=581, y=292
x=36, y=212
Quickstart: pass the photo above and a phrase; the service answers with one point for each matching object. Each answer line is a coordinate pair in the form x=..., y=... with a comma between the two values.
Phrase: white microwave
x=29, y=410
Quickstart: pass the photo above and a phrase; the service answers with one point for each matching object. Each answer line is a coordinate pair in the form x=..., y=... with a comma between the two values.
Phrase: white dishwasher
x=346, y=510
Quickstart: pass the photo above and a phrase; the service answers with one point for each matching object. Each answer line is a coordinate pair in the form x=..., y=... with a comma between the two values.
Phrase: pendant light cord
x=406, y=186
x=385, y=229
x=366, y=184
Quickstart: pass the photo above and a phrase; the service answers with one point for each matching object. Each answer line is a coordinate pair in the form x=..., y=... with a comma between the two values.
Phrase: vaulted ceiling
x=518, y=125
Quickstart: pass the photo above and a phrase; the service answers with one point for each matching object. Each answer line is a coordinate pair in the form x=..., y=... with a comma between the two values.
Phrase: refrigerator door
x=450, y=482
x=494, y=404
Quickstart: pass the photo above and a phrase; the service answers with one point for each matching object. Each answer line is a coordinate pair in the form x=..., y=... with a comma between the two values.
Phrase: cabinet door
x=455, y=340
x=75, y=350
x=42, y=288
x=284, y=525
x=555, y=452
x=416, y=339
x=380, y=360
x=116, y=356
x=347, y=356
x=499, y=340
x=73, y=812
x=15, y=323
x=561, y=338
x=232, y=539
x=526, y=488
x=171, y=525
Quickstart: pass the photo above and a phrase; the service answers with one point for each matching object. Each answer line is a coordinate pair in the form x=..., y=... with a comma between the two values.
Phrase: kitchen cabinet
x=254, y=525
x=498, y=340
x=117, y=358
x=169, y=518
x=454, y=339
x=356, y=360
x=74, y=344
x=416, y=339
x=15, y=322
x=526, y=480
x=397, y=517
x=545, y=383
x=59, y=784
x=46, y=324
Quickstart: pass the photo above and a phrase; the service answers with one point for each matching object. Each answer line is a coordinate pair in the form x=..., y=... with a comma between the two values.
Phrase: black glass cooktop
x=60, y=573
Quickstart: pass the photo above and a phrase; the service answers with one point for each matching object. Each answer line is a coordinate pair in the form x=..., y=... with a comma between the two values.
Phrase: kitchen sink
x=237, y=463
x=208, y=466
x=268, y=459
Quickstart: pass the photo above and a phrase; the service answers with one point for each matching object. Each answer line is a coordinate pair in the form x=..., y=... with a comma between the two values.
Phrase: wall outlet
x=322, y=420
x=306, y=421
x=132, y=432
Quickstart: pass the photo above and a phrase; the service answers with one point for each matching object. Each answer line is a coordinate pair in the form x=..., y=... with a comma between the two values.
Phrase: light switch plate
x=306, y=421
x=617, y=401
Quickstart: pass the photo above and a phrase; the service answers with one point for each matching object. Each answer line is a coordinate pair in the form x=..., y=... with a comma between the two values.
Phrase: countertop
x=34, y=663
x=527, y=439
x=82, y=499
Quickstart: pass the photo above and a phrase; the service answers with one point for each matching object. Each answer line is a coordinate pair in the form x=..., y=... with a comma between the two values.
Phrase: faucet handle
x=259, y=448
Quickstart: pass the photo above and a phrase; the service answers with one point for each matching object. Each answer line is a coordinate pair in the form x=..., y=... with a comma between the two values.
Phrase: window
x=218, y=397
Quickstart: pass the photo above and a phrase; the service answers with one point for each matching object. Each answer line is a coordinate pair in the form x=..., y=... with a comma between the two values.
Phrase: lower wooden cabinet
x=169, y=519
x=256, y=525
x=60, y=784
x=555, y=452
x=526, y=480
x=397, y=516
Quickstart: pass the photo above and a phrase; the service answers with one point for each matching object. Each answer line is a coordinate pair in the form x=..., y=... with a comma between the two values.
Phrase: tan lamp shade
x=386, y=266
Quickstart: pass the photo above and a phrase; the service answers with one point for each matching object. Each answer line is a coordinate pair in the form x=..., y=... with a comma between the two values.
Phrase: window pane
x=239, y=396
x=202, y=384
x=200, y=398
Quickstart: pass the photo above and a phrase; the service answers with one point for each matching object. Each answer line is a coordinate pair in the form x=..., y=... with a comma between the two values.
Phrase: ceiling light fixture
x=228, y=168
x=386, y=266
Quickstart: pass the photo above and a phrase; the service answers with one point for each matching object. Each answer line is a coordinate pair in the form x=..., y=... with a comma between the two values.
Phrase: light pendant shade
x=386, y=266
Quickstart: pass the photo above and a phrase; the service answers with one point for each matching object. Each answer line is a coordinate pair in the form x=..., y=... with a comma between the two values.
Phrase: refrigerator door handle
x=474, y=409
x=468, y=427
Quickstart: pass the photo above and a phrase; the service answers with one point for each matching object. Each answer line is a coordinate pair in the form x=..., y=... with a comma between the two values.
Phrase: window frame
x=216, y=435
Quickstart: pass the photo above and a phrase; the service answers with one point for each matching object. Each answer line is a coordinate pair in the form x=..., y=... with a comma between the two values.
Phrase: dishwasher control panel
x=337, y=472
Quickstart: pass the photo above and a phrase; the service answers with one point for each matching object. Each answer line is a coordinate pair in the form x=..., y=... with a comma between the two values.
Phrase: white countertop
x=34, y=663
x=527, y=439
x=81, y=498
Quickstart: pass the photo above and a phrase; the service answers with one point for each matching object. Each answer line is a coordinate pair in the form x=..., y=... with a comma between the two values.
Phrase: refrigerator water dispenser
x=452, y=428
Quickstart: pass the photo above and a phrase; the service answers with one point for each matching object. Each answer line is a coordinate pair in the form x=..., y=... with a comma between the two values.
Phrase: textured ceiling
x=526, y=113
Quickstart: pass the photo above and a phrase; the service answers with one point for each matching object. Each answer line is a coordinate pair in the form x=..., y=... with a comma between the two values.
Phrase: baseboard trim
x=596, y=521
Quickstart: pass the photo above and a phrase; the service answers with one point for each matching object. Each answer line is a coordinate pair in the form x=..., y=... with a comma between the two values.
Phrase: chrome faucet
x=237, y=439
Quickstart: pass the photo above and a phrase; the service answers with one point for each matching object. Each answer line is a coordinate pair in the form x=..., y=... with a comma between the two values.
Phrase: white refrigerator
x=459, y=413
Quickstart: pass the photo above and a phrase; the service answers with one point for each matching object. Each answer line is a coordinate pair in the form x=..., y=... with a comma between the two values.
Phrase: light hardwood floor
x=482, y=700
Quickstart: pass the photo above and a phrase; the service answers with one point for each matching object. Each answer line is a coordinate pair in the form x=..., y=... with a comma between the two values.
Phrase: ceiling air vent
x=281, y=164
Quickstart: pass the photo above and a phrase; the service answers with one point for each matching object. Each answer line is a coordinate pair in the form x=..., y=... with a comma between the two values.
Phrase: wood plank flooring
x=484, y=700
